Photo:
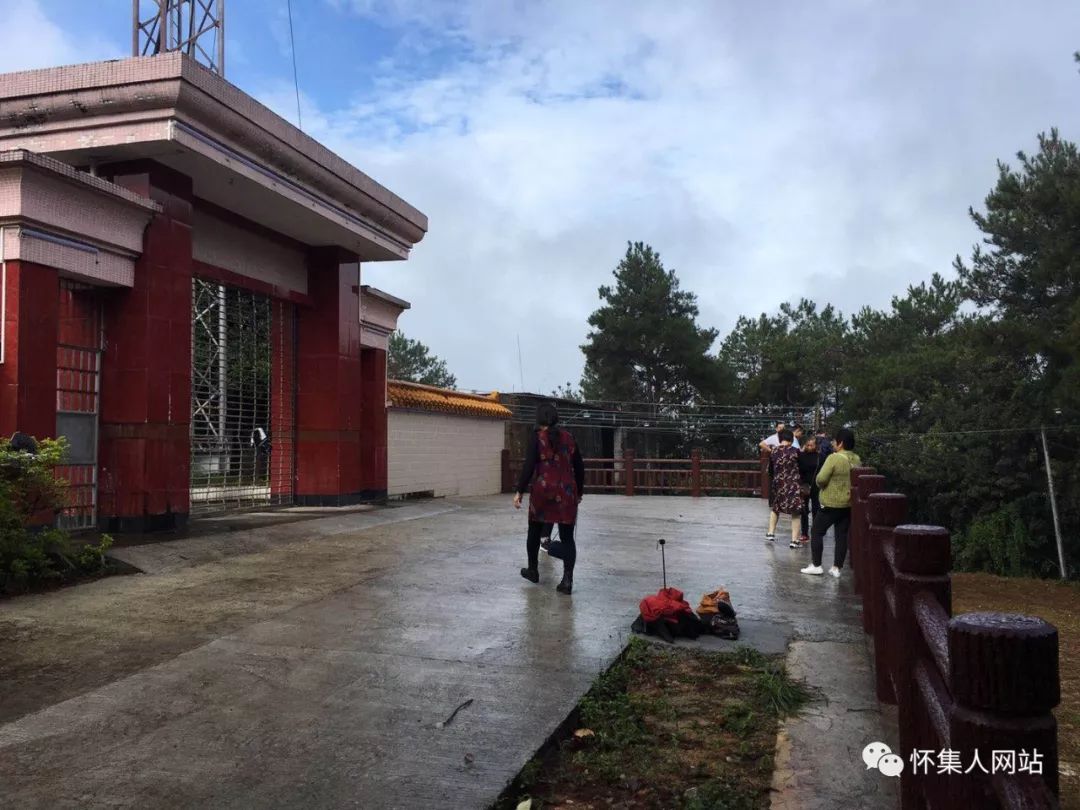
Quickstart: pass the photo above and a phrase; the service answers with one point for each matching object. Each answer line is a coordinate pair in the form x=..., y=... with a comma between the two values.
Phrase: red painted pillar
x=145, y=449
x=1005, y=681
x=28, y=373
x=858, y=528
x=283, y=402
x=921, y=558
x=373, y=425
x=329, y=383
x=885, y=512
x=695, y=473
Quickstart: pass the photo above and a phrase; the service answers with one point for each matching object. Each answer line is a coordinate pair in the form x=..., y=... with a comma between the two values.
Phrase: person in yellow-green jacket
x=834, y=484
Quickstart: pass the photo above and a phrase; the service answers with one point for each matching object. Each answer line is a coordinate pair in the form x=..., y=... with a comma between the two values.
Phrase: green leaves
x=1026, y=275
x=946, y=387
x=412, y=361
x=792, y=358
x=644, y=344
x=30, y=495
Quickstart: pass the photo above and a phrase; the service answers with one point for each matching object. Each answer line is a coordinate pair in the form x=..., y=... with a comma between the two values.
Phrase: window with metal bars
x=78, y=390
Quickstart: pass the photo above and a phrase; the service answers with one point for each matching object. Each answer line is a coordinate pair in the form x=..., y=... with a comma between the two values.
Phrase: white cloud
x=33, y=40
x=827, y=150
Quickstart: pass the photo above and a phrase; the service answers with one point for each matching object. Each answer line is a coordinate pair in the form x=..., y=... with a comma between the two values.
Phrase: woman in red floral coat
x=554, y=475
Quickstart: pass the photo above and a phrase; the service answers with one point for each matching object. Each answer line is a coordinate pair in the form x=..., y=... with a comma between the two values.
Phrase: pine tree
x=412, y=361
x=644, y=344
x=1028, y=275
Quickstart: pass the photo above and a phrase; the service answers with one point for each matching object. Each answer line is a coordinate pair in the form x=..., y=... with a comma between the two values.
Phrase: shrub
x=999, y=542
x=32, y=550
x=91, y=558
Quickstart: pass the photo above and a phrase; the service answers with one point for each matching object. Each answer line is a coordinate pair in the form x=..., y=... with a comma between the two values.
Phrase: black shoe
x=566, y=586
x=531, y=574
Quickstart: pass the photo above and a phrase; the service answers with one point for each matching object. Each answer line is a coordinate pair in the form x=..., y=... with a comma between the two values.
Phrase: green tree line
x=947, y=387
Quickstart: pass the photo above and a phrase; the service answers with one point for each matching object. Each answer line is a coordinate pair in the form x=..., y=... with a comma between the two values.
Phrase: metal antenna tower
x=195, y=27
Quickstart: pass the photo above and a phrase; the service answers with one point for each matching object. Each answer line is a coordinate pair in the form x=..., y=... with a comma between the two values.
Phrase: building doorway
x=242, y=399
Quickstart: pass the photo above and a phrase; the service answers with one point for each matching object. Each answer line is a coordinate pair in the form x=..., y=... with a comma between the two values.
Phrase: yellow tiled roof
x=442, y=400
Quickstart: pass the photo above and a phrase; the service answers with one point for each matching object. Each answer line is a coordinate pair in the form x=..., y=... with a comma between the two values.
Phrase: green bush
x=91, y=558
x=1000, y=543
x=32, y=550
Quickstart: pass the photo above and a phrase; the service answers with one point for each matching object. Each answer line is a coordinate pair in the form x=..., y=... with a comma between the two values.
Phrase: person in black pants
x=808, y=468
x=554, y=476
x=834, y=479
x=824, y=448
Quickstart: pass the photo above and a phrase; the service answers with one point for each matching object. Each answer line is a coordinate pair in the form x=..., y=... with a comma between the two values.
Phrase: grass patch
x=668, y=728
x=1058, y=603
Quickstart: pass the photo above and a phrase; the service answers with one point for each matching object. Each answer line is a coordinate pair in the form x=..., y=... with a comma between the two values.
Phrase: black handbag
x=556, y=549
x=723, y=626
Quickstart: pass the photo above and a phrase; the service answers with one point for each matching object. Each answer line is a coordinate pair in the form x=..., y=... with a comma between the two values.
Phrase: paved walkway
x=313, y=670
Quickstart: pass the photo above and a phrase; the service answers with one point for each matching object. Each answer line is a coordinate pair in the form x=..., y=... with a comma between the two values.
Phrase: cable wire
x=296, y=80
x=986, y=431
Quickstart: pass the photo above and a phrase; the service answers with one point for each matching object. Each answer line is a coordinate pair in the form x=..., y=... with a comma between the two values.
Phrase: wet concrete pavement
x=332, y=697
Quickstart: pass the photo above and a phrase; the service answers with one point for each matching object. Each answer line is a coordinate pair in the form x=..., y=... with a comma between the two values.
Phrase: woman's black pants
x=841, y=520
x=537, y=529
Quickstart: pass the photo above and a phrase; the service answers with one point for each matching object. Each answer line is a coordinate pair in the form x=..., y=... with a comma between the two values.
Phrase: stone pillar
x=857, y=528
x=885, y=511
x=617, y=466
x=922, y=561
x=28, y=373
x=1005, y=684
x=862, y=487
x=329, y=400
x=145, y=445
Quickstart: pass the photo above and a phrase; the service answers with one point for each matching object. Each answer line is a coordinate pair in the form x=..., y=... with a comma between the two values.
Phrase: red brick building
x=182, y=295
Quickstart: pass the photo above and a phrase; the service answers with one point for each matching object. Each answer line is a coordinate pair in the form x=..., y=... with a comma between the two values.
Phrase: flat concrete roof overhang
x=84, y=227
x=239, y=154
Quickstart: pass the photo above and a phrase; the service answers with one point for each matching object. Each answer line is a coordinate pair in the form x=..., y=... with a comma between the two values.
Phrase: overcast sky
x=826, y=149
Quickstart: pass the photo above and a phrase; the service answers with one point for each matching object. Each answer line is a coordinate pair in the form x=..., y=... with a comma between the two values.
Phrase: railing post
x=1005, y=683
x=857, y=528
x=507, y=480
x=628, y=467
x=885, y=511
x=764, y=459
x=862, y=487
x=922, y=558
x=695, y=473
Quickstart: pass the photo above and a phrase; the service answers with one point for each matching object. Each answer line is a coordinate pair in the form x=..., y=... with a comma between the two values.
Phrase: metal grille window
x=78, y=389
x=241, y=399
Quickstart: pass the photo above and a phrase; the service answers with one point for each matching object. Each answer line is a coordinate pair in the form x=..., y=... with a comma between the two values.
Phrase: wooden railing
x=660, y=476
x=974, y=684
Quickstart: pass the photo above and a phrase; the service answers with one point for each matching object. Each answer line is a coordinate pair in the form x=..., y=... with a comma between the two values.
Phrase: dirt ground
x=668, y=728
x=1059, y=604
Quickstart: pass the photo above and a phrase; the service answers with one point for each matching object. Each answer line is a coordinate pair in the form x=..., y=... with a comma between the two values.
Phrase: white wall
x=450, y=455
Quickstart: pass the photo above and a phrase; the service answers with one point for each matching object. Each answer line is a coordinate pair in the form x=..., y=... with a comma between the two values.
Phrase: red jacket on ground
x=667, y=603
